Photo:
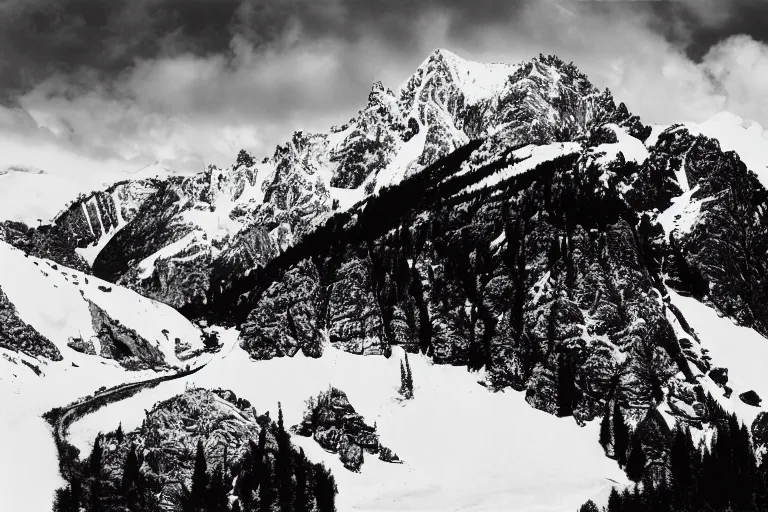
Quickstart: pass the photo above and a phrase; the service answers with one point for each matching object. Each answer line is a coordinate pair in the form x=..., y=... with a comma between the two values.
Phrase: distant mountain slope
x=234, y=220
x=55, y=313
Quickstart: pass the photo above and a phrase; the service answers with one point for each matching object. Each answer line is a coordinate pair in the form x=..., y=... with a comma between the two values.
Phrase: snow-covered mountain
x=493, y=262
x=61, y=315
x=196, y=232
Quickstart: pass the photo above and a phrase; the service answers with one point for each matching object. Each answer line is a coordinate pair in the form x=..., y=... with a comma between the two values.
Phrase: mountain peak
x=476, y=80
x=378, y=92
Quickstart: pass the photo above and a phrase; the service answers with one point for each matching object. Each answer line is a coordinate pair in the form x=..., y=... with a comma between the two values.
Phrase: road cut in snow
x=464, y=446
x=30, y=472
x=740, y=349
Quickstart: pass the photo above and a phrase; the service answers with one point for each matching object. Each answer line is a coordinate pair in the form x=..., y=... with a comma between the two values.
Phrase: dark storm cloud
x=43, y=37
x=145, y=80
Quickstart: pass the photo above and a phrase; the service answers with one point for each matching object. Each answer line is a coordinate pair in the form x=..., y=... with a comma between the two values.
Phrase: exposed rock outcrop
x=121, y=343
x=286, y=319
x=332, y=421
x=17, y=335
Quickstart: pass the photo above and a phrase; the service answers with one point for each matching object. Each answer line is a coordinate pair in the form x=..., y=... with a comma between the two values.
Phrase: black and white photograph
x=383, y=255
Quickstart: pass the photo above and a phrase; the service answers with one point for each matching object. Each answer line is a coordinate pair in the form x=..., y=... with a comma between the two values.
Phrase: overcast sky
x=116, y=84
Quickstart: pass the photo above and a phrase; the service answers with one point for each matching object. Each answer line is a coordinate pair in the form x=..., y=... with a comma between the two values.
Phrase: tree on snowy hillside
x=406, y=379
x=199, y=476
x=636, y=460
x=620, y=435
x=722, y=477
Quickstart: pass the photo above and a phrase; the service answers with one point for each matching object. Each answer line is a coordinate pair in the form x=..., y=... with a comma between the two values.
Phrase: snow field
x=54, y=306
x=740, y=349
x=464, y=446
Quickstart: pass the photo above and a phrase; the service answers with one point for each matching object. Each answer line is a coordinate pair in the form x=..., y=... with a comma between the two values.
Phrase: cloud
x=190, y=82
x=738, y=68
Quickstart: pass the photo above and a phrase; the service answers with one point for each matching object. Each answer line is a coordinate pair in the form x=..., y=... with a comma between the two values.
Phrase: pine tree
x=216, y=495
x=95, y=470
x=266, y=491
x=605, y=430
x=636, y=460
x=406, y=379
x=566, y=386
x=303, y=503
x=64, y=501
x=199, y=477
x=94, y=463
x=283, y=464
x=620, y=435
x=325, y=490
x=589, y=506
x=408, y=376
x=615, y=502
x=681, y=468
x=119, y=433
x=130, y=471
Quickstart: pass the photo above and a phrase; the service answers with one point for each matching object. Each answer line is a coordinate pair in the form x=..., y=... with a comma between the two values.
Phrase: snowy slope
x=29, y=196
x=740, y=349
x=526, y=159
x=54, y=306
x=464, y=446
x=682, y=215
x=25, y=438
x=51, y=298
x=747, y=138
x=632, y=149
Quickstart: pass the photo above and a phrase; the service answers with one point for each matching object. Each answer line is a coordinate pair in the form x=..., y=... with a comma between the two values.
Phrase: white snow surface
x=397, y=169
x=740, y=349
x=656, y=131
x=476, y=80
x=747, y=138
x=683, y=214
x=54, y=306
x=464, y=446
x=29, y=474
x=526, y=159
x=27, y=197
x=632, y=149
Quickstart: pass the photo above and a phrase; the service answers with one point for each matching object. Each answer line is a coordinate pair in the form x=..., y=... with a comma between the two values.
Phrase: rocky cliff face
x=47, y=241
x=333, y=423
x=543, y=274
x=286, y=319
x=198, y=234
x=720, y=228
x=121, y=343
x=17, y=335
x=91, y=219
x=203, y=449
x=507, y=217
